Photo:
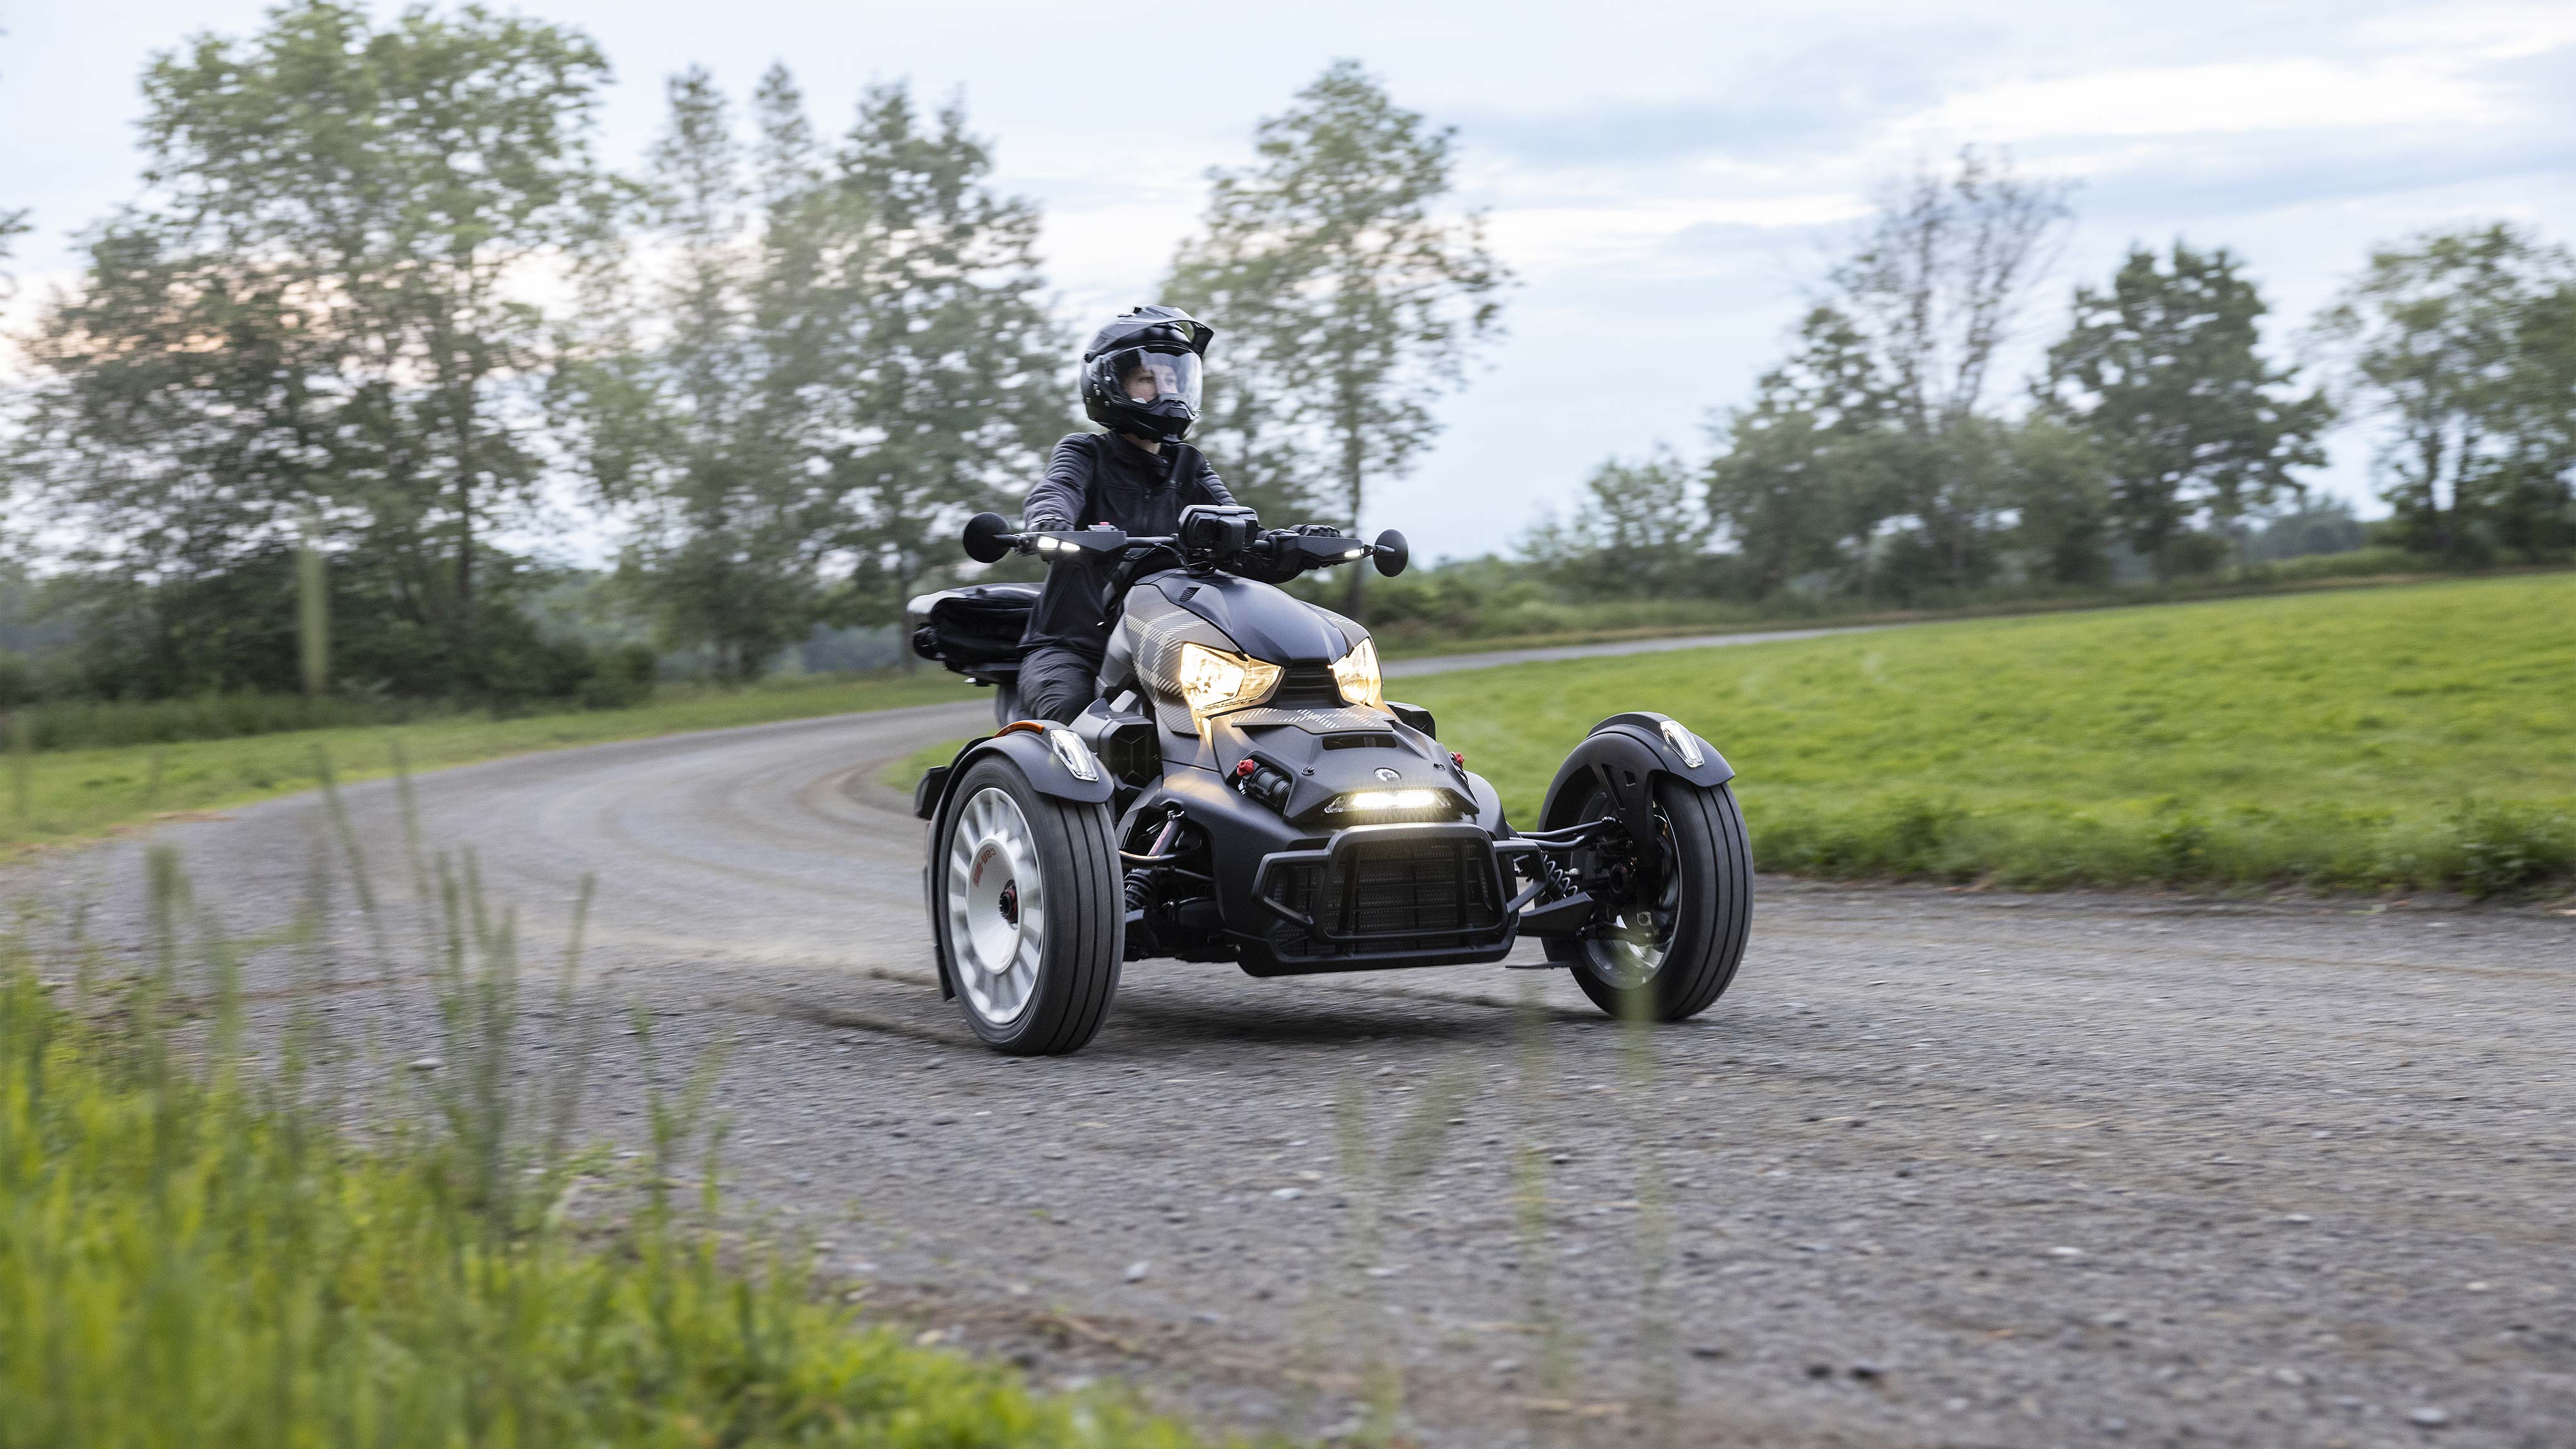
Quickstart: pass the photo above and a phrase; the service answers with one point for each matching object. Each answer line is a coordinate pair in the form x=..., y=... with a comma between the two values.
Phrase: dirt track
x=1942, y=1168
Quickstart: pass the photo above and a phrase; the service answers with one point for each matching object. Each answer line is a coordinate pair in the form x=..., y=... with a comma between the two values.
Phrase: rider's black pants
x=1056, y=683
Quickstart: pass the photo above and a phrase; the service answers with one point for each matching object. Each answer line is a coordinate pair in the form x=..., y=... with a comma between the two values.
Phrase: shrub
x=2507, y=848
x=622, y=678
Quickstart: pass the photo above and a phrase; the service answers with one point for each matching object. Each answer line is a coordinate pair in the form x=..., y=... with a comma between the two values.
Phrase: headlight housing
x=1213, y=681
x=1356, y=673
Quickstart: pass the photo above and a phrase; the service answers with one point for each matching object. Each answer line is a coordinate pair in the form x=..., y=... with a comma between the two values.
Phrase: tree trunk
x=460, y=405
x=2433, y=493
x=464, y=554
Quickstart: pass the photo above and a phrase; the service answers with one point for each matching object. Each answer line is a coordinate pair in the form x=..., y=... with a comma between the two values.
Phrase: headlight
x=1356, y=673
x=1213, y=681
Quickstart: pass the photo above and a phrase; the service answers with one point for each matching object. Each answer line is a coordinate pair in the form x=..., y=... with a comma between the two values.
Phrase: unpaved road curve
x=1941, y=1169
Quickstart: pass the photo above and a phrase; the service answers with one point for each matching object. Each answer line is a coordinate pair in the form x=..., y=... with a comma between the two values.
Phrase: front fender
x=1050, y=771
x=1625, y=753
x=1048, y=762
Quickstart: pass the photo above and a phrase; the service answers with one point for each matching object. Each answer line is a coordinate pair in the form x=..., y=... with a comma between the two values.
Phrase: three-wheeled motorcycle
x=1243, y=791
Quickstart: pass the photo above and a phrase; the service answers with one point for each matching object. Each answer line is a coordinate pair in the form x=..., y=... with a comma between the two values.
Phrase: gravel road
x=1943, y=1168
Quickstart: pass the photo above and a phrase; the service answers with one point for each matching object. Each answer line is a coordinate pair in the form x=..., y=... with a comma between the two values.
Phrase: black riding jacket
x=1103, y=478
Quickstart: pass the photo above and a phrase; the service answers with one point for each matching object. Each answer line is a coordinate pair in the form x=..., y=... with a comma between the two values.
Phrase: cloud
x=2233, y=98
x=1544, y=239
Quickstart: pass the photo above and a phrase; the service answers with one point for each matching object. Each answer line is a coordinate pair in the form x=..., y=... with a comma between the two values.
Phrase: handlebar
x=988, y=537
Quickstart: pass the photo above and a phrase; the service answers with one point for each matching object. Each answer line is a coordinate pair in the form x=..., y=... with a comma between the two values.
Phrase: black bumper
x=1380, y=896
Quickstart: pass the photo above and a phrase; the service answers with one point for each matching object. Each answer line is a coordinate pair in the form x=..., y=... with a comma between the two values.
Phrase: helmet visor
x=1146, y=376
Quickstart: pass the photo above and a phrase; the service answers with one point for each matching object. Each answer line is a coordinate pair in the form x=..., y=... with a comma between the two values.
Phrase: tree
x=2161, y=372
x=2434, y=334
x=1931, y=292
x=946, y=368
x=13, y=224
x=321, y=306
x=1641, y=533
x=1804, y=475
x=2062, y=499
x=799, y=408
x=1345, y=308
x=701, y=434
x=2535, y=508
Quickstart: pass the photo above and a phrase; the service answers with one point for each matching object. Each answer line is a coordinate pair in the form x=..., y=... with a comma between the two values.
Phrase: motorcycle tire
x=1026, y=911
x=1701, y=922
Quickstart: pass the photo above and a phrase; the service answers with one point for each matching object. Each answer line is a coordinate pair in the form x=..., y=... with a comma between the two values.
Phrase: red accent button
x=1243, y=769
x=1458, y=759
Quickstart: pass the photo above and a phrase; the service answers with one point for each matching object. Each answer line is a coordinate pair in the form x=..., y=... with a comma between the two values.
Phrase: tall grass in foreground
x=193, y=1252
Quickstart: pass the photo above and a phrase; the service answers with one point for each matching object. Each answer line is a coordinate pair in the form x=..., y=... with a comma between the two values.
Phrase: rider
x=1140, y=380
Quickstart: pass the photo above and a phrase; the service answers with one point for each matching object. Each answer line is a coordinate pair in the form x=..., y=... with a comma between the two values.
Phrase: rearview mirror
x=986, y=537
x=1392, y=554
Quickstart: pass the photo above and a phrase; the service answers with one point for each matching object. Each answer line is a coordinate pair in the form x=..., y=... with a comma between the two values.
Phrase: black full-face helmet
x=1141, y=373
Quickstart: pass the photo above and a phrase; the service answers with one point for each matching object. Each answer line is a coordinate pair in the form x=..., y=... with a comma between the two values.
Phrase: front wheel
x=1669, y=946
x=1025, y=907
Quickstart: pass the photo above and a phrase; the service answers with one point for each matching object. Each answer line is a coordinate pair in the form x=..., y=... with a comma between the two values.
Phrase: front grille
x=1425, y=888
x=1370, y=740
x=1393, y=893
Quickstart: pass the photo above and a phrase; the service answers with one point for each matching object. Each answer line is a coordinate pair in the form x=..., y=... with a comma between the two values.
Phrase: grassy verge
x=905, y=773
x=190, y=1253
x=56, y=797
x=2390, y=738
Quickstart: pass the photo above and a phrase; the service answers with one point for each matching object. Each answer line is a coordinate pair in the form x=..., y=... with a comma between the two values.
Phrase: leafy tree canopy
x=2161, y=371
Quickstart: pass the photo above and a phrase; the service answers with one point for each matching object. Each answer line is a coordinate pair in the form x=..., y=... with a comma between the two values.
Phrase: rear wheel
x=1674, y=937
x=1026, y=909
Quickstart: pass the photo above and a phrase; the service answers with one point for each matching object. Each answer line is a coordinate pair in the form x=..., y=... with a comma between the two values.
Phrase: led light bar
x=1374, y=800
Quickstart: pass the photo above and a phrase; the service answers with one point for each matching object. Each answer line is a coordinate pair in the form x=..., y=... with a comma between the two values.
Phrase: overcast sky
x=1663, y=178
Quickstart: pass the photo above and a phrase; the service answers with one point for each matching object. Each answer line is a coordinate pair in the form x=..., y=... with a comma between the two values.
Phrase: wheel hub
x=996, y=916
x=1626, y=948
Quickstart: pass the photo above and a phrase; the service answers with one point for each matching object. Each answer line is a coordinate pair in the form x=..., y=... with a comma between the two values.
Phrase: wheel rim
x=1641, y=932
x=996, y=906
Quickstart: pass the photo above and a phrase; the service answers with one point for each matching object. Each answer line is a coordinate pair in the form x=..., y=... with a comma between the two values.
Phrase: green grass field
x=2387, y=738
x=58, y=797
